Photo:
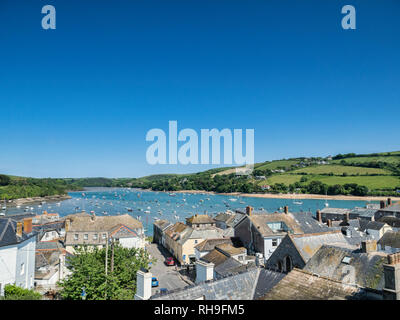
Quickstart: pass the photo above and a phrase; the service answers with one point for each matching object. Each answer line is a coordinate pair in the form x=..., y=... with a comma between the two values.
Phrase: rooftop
x=101, y=223
x=303, y=285
x=248, y=285
x=8, y=234
x=332, y=261
x=200, y=219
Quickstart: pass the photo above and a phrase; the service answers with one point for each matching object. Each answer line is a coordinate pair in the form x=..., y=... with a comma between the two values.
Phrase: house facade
x=95, y=231
x=17, y=253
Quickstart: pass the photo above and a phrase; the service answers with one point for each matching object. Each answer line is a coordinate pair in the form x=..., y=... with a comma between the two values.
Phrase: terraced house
x=181, y=239
x=261, y=233
x=95, y=231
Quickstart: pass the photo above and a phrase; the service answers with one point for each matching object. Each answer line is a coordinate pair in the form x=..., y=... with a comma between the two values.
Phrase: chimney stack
x=368, y=246
x=28, y=225
x=286, y=209
x=19, y=229
x=143, y=284
x=67, y=224
x=329, y=223
x=249, y=210
x=389, y=201
x=391, y=271
x=382, y=204
x=319, y=216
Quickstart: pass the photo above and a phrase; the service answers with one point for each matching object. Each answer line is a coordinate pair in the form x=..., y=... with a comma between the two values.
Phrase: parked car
x=154, y=282
x=170, y=261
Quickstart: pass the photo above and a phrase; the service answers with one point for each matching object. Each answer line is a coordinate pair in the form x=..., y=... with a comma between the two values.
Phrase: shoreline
x=35, y=200
x=293, y=196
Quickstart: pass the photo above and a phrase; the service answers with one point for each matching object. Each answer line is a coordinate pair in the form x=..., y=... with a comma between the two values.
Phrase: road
x=167, y=276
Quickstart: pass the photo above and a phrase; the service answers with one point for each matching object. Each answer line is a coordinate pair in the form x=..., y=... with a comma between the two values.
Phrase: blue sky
x=77, y=101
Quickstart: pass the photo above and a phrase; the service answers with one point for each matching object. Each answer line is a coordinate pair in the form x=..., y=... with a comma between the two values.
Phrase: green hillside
x=358, y=174
x=355, y=174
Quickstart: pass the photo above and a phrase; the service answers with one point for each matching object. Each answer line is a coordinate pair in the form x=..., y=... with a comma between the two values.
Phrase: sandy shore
x=292, y=196
x=36, y=200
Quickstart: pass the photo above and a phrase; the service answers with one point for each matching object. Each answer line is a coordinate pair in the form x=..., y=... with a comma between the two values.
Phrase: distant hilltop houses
x=245, y=254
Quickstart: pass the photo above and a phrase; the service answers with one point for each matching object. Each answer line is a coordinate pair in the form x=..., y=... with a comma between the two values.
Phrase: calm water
x=113, y=201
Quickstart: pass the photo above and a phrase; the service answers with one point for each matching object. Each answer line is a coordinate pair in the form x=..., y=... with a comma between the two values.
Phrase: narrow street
x=167, y=276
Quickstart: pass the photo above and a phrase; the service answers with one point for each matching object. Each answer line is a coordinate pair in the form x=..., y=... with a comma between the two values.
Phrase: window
x=195, y=241
x=22, y=270
x=95, y=236
x=85, y=236
x=274, y=242
x=76, y=236
x=104, y=236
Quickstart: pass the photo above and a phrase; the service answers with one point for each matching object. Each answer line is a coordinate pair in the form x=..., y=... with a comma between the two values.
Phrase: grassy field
x=339, y=170
x=275, y=164
x=372, y=182
x=390, y=159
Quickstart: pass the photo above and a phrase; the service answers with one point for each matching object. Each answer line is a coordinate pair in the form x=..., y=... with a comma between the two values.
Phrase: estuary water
x=147, y=206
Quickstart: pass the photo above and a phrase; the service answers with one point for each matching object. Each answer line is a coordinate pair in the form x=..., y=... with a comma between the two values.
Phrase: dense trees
x=88, y=272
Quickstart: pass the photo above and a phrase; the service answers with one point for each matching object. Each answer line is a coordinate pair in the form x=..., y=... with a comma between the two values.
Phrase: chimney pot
x=286, y=209
x=249, y=210
x=19, y=229
x=67, y=224
x=329, y=223
x=319, y=216
x=28, y=225
x=382, y=204
x=389, y=201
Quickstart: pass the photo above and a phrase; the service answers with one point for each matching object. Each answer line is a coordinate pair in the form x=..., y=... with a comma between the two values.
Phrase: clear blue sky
x=77, y=101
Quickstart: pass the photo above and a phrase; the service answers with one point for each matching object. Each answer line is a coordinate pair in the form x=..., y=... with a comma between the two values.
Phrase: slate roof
x=307, y=223
x=215, y=257
x=121, y=231
x=395, y=207
x=101, y=223
x=49, y=245
x=247, y=285
x=391, y=221
x=355, y=223
x=230, y=249
x=223, y=217
x=228, y=267
x=209, y=244
x=7, y=233
x=230, y=219
x=260, y=222
x=372, y=225
x=367, y=267
x=303, y=285
x=200, y=219
x=364, y=212
x=162, y=224
x=308, y=244
x=390, y=239
x=341, y=211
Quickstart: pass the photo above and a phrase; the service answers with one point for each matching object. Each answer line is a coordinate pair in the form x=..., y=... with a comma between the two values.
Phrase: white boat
x=297, y=202
x=2, y=214
x=232, y=199
x=147, y=211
